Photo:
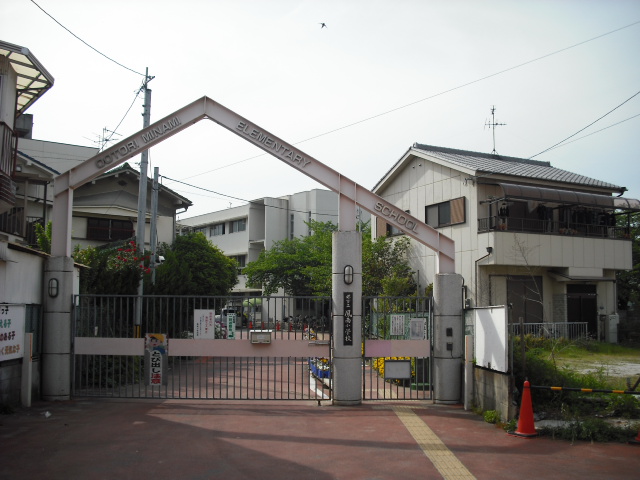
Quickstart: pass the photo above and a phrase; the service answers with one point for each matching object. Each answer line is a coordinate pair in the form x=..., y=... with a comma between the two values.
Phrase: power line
x=431, y=96
x=597, y=131
x=92, y=48
x=125, y=116
x=582, y=129
x=243, y=199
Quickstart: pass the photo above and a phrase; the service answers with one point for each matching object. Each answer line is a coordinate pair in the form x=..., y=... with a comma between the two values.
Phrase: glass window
x=239, y=225
x=442, y=214
x=105, y=229
x=217, y=229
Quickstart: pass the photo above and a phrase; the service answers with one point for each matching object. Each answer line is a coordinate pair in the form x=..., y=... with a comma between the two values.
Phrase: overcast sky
x=355, y=95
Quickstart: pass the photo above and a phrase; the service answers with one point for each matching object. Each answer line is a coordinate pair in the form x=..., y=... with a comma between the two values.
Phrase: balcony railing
x=13, y=222
x=550, y=227
x=568, y=330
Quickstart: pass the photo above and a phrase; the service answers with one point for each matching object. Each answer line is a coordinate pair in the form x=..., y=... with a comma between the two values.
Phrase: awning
x=567, y=197
x=32, y=81
x=561, y=277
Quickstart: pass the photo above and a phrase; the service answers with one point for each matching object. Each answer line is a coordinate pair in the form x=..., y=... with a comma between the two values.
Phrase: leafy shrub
x=491, y=416
x=591, y=429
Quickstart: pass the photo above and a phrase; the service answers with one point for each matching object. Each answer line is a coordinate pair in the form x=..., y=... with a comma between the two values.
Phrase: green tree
x=302, y=266
x=385, y=270
x=628, y=282
x=111, y=271
x=194, y=266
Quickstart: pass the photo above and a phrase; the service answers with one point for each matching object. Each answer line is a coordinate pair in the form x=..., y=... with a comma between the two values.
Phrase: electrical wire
x=92, y=48
x=597, y=131
x=582, y=129
x=431, y=96
x=243, y=199
x=125, y=116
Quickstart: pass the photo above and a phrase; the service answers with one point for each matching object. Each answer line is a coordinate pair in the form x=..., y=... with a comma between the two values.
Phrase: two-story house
x=544, y=241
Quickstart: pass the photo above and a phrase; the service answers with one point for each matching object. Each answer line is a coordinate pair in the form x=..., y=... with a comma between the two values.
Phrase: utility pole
x=142, y=198
x=153, y=240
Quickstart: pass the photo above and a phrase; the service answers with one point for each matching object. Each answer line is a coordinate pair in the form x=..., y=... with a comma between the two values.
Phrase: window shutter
x=457, y=210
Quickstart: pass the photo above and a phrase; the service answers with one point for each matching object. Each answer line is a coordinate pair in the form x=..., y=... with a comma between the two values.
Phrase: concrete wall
x=21, y=280
x=492, y=391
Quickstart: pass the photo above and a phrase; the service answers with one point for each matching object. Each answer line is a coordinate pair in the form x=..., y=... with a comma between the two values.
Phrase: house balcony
x=551, y=227
x=8, y=146
x=14, y=222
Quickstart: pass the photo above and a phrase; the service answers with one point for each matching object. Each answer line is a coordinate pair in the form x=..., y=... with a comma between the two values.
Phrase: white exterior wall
x=422, y=183
x=21, y=277
x=276, y=221
x=7, y=92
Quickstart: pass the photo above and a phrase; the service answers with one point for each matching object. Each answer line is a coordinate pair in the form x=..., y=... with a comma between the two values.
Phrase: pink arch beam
x=350, y=192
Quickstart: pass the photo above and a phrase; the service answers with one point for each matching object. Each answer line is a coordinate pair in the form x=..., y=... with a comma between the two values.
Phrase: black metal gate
x=396, y=354
x=231, y=348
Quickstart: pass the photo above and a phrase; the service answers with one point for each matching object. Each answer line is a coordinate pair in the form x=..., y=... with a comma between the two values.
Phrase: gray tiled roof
x=483, y=164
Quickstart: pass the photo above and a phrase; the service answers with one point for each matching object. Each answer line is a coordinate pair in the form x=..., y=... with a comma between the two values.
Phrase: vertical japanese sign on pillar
x=348, y=318
x=155, y=359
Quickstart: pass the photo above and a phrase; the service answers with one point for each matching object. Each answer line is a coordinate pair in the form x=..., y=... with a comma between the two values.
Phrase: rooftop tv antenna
x=493, y=126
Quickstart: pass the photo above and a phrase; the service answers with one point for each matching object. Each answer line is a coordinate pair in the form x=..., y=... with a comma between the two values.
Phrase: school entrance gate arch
x=346, y=297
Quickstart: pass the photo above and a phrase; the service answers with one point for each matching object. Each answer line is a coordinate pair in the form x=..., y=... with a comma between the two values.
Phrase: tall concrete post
x=448, y=337
x=56, y=329
x=347, y=317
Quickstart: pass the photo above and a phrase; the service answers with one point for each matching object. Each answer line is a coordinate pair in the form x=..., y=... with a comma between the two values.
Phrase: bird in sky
x=323, y=25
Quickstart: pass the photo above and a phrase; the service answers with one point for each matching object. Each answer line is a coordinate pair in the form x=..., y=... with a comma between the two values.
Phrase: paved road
x=173, y=439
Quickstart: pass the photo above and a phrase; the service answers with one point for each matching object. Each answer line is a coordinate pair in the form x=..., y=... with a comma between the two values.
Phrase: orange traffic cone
x=526, y=426
x=636, y=441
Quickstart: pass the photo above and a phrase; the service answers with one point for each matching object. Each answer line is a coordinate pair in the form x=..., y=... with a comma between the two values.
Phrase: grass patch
x=586, y=364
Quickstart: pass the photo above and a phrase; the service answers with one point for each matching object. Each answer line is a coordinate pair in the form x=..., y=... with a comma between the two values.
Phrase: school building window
x=239, y=225
x=217, y=229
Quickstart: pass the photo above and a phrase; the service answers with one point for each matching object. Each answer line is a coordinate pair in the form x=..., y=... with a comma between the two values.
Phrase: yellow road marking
x=442, y=458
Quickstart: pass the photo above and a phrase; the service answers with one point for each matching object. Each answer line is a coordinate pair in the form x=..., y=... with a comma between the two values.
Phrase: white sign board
x=397, y=325
x=491, y=335
x=12, y=319
x=418, y=329
x=204, y=324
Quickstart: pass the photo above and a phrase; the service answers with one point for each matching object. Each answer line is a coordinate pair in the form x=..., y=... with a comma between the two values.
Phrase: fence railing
x=551, y=227
x=13, y=222
x=568, y=330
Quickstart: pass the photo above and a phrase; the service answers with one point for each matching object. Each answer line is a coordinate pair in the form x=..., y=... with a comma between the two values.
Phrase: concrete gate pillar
x=347, y=319
x=448, y=337
x=59, y=277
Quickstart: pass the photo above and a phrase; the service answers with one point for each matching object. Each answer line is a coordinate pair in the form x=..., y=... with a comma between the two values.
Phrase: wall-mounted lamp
x=489, y=250
x=348, y=274
x=53, y=287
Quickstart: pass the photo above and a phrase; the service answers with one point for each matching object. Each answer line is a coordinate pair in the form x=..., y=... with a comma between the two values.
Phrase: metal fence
x=400, y=321
x=118, y=324
x=567, y=330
